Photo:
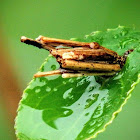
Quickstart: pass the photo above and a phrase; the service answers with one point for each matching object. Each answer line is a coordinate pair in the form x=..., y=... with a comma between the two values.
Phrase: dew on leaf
x=119, y=76
x=64, y=82
x=91, y=101
x=48, y=89
x=124, y=32
x=82, y=106
x=67, y=94
x=98, y=112
x=92, y=122
x=53, y=67
x=115, y=36
x=91, y=88
x=87, y=114
x=90, y=130
x=71, y=80
x=55, y=89
x=67, y=112
x=126, y=42
x=37, y=90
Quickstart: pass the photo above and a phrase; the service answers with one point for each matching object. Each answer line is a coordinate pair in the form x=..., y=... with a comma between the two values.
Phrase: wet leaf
x=53, y=108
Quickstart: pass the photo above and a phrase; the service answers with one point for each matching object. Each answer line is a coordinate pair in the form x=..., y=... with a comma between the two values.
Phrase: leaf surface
x=53, y=108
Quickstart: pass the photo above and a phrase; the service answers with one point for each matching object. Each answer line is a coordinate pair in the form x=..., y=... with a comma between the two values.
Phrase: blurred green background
x=60, y=19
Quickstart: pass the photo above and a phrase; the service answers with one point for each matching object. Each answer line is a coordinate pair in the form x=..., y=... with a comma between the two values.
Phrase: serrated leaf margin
x=118, y=111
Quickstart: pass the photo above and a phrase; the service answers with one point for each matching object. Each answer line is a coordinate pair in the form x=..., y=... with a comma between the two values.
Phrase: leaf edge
x=118, y=111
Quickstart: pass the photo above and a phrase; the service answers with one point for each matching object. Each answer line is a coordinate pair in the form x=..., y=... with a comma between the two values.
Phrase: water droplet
x=71, y=97
x=91, y=88
x=119, y=76
x=90, y=131
x=115, y=36
x=67, y=94
x=87, y=114
x=53, y=67
x=71, y=80
x=64, y=82
x=88, y=103
x=99, y=124
x=108, y=106
x=125, y=43
x=37, y=90
x=91, y=101
x=98, y=112
x=103, y=99
x=55, y=89
x=81, y=82
x=95, y=96
x=48, y=89
x=92, y=122
x=68, y=112
x=133, y=69
x=40, y=82
x=100, y=120
x=124, y=32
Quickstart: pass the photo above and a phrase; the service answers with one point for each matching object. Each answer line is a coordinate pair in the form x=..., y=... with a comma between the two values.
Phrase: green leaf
x=53, y=108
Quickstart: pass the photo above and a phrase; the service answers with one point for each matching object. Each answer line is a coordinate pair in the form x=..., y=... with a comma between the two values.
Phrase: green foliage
x=79, y=108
